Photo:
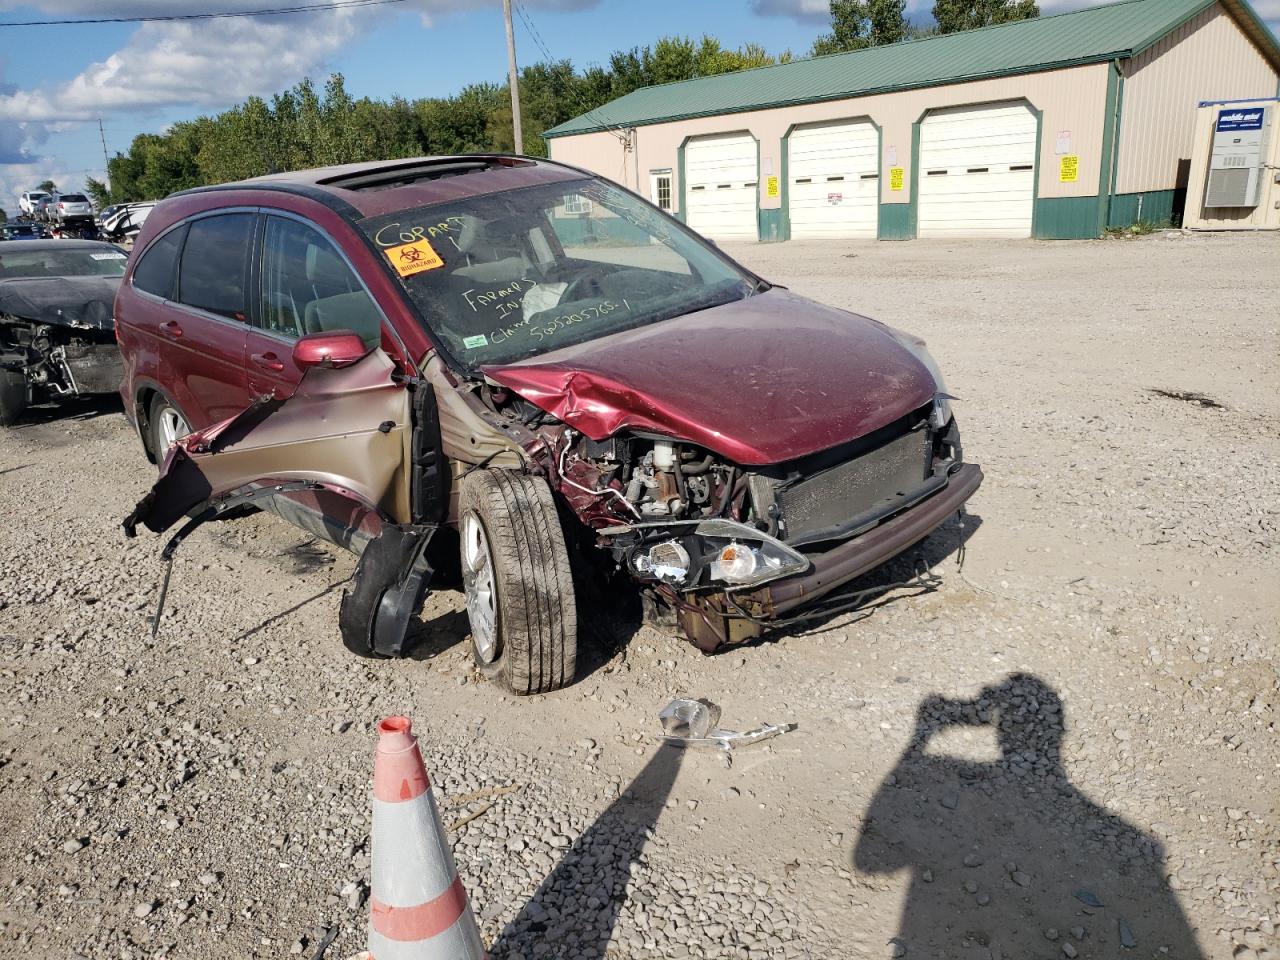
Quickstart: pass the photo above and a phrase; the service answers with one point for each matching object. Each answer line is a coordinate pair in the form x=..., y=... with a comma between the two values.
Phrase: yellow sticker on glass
x=411, y=258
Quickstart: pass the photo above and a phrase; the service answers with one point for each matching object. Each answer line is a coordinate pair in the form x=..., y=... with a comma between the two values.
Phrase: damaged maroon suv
x=508, y=361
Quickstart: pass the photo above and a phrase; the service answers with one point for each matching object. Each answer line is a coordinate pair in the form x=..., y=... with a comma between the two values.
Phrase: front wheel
x=515, y=571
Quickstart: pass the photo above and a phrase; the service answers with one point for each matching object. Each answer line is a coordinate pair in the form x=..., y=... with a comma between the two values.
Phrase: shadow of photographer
x=1007, y=859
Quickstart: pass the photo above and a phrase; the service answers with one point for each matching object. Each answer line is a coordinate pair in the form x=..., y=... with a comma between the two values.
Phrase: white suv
x=27, y=202
x=70, y=206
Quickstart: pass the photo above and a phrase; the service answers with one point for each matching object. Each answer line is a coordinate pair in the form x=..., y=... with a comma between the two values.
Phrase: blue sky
x=55, y=82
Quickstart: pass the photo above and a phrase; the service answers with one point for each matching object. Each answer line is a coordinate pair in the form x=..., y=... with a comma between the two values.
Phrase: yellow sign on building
x=771, y=186
x=895, y=178
x=1069, y=168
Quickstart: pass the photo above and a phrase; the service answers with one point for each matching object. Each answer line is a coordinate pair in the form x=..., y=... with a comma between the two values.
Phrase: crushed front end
x=731, y=549
x=57, y=335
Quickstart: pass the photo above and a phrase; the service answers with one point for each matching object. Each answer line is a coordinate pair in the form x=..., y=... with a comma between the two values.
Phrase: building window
x=660, y=189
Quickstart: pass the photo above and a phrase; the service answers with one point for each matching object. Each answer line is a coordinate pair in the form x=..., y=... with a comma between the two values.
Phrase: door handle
x=171, y=328
x=268, y=361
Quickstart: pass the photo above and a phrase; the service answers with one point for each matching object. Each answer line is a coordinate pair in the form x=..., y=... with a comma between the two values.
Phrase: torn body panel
x=338, y=447
x=347, y=429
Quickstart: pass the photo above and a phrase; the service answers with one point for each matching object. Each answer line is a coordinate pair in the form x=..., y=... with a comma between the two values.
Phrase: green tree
x=308, y=127
x=956, y=15
x=4, y=217
x=98, y=192
x=857, y=24
x=48, y=186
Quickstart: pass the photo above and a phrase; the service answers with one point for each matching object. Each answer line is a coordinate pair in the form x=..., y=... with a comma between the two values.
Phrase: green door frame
x=913, y=212
x=786, y=165
x=683, y=214
x=1109, y=167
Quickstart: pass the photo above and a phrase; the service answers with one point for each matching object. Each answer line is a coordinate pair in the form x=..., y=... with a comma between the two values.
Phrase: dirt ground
x=1067, y=748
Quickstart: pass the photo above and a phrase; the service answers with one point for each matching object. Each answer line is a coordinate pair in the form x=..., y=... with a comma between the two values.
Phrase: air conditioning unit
x=1237, y=163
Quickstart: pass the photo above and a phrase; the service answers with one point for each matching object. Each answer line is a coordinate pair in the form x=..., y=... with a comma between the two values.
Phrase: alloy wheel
x=478, y=579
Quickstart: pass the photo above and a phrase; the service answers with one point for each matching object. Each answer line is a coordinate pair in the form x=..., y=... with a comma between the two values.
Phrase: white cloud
x=206, y=64
x=203, y=64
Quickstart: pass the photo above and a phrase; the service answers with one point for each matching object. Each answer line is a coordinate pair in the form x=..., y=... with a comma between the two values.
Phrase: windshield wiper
x=762, y=286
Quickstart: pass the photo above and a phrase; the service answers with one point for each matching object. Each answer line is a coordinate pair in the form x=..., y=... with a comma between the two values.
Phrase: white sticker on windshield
x=479, y=340
x=108, y=256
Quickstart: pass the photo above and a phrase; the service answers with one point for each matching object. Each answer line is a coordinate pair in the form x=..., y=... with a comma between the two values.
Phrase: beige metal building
x=1056, y=127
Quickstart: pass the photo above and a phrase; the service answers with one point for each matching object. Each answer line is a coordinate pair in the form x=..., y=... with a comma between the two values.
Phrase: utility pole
x=105, y=159
x=513, y=79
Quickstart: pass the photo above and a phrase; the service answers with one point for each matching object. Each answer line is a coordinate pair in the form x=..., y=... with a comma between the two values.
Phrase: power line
x=169, y=18
x=587, y=111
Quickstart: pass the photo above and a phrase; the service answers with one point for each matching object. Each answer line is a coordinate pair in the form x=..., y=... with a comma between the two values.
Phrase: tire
x=13, y=396
x=161, y=418
x=524, y=627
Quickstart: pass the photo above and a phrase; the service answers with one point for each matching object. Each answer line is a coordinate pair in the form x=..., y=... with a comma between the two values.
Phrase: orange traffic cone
x=418, y=906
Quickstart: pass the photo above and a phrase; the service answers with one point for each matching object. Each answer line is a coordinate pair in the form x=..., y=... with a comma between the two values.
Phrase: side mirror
x=340, y=348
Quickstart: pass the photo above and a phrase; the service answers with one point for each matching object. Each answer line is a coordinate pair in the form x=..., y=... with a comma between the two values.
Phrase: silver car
x=69, y=206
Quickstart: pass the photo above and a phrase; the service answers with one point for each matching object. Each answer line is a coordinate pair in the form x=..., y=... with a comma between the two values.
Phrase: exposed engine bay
x=60, y=360
x=691, y=526
x=57, y=337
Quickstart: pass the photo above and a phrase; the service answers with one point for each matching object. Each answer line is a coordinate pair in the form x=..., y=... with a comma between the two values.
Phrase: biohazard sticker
x=411, y=258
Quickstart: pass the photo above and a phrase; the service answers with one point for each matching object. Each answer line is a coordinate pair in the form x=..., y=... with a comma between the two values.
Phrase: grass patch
x=1141, y=228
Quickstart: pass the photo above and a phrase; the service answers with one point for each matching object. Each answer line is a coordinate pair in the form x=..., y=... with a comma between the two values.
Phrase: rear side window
x=73, y=198
x=211, y=272
x=157, y=269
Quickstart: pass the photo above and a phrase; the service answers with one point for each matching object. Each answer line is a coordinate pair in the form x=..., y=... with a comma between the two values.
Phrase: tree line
x=309, y=127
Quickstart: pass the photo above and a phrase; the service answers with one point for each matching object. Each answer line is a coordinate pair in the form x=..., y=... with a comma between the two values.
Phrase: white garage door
x=834, y=180
x=722, y=186
x=977, y=172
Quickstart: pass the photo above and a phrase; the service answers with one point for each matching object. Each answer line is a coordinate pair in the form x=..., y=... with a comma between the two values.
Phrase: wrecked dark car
x=56, y=336
x=507, y=365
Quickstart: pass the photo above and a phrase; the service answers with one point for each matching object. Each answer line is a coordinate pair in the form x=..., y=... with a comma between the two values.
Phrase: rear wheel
x=515, y=571
x=13, y=396
x=167, y=425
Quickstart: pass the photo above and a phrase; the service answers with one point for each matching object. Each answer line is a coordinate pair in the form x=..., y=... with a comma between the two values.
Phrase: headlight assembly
x=705, y=553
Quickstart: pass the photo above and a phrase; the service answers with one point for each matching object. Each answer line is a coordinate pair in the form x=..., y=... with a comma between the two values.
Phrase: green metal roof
x=1095, y=34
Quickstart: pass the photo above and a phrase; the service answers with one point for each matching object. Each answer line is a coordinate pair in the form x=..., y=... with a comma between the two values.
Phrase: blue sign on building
x=1250, y=119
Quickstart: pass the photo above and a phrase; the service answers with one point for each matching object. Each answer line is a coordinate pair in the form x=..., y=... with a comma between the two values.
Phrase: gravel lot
x=1068, y=748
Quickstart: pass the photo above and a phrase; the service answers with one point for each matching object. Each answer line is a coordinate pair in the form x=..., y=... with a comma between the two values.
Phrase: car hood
x=82, y=302
x=760, y=381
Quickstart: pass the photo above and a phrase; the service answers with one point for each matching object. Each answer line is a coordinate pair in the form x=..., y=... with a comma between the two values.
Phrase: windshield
x=105, y=261
x=511, y=275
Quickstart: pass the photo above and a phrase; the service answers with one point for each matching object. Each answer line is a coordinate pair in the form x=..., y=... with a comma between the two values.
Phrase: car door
x=207, y=322
x=304, y=285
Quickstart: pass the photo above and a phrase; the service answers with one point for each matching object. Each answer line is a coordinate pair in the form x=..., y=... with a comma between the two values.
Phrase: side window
x=308, y=288
x=211, y=272
x=157, y=269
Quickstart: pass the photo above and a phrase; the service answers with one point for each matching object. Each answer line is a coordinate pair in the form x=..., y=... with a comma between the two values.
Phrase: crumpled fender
x=595, y=405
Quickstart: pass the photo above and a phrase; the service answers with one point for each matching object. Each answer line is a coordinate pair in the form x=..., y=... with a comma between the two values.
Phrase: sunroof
x=418, y=170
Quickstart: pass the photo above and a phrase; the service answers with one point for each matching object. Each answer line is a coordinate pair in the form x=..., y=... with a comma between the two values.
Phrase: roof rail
x=401, y=174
